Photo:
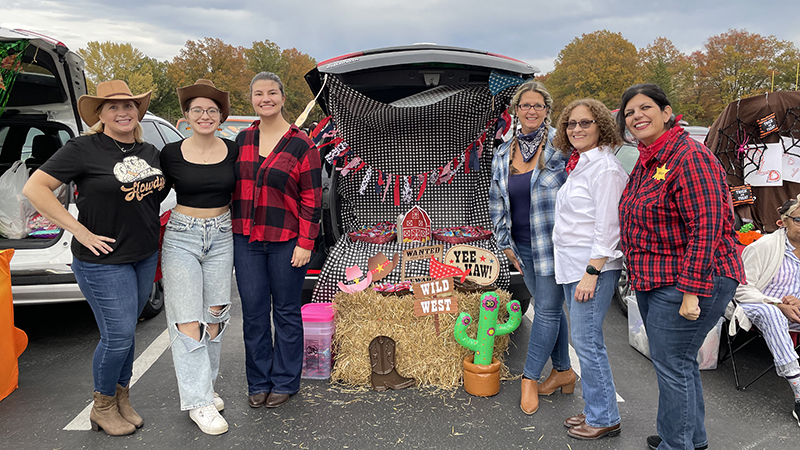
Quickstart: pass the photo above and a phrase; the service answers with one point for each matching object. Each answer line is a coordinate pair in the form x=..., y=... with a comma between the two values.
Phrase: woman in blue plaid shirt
x=527, y=172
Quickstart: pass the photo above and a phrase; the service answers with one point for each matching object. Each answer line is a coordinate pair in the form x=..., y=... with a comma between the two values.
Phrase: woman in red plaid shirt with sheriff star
x=677, y=234
x=277, y=204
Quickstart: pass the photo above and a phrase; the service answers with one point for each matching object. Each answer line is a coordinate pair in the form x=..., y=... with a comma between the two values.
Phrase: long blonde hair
x=530, y=86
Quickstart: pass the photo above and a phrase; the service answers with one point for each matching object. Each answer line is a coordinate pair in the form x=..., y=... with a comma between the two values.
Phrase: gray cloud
x=534, y=31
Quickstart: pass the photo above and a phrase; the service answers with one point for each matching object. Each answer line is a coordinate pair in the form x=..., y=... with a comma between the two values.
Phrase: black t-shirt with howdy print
x=119, y=194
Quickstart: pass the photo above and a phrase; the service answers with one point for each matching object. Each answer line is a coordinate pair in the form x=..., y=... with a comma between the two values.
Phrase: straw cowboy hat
x=110, y=90
x=205, y=88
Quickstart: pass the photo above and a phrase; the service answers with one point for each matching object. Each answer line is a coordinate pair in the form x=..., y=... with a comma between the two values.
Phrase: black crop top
x=200, y=185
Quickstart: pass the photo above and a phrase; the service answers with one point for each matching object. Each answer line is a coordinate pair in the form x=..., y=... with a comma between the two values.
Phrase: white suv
x=40, y=116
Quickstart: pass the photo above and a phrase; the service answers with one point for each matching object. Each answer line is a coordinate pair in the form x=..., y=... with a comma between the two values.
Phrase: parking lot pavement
x=56, y=385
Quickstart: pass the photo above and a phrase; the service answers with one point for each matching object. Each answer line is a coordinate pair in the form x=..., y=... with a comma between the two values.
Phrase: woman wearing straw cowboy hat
x=197, y=253
x=115, y=245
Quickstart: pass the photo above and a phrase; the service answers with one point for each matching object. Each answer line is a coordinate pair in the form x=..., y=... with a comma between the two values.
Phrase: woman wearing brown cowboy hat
x=197, y=253
x=115, y=245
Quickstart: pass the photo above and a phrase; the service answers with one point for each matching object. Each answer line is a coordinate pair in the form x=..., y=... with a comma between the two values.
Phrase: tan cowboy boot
x=105, y=416
x=564, y=380
x=125, y=409
x=529, y=401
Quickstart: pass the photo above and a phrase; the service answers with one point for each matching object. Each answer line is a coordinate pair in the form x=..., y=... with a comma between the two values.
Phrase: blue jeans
x=117, y=294
x=549, y=331
x=197, y=262
x=674, y=343
x=268, y=284
x=586, y=320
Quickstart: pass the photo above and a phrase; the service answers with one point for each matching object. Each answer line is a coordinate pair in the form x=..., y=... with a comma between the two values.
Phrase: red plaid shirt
x=281, y=198
x=676, y=225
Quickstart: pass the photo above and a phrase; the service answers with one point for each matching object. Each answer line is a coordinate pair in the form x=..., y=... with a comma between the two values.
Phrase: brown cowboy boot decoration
x=384, y=373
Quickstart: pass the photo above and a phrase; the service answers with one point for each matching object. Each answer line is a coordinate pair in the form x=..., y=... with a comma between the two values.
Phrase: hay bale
x=420, y=353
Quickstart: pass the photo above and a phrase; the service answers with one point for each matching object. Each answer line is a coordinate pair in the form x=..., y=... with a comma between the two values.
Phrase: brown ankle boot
x=530, y=396
x=105, y=416
x=125, y=409
x=564, y=380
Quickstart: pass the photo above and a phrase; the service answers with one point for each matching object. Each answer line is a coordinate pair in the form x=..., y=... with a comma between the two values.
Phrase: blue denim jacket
x=544, y=187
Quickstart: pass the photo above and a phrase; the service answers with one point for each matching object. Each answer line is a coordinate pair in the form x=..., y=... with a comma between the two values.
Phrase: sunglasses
x=585, y=123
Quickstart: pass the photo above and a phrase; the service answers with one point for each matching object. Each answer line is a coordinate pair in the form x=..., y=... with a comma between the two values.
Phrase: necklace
x=196, y=150
x=123, y=150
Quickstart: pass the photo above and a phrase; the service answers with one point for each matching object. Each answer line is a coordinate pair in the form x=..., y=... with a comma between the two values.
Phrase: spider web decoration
x=735, y=138
x=433, y=149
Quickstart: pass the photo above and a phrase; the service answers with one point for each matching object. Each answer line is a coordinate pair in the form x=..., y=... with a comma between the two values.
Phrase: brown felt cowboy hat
x=205, y=88
x=88, y=105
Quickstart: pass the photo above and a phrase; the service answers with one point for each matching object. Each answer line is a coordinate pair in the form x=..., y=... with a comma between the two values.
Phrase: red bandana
x=647, y=151
x=573, y=161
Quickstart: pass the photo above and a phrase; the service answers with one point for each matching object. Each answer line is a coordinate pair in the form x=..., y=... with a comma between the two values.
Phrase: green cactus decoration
x=483, y=345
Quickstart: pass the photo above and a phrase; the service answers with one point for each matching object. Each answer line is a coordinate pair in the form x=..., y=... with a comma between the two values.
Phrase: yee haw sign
x=428, y=301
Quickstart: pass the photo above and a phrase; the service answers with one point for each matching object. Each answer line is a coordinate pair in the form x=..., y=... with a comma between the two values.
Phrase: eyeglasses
x=536, y=107
x=197, y=111
x=583, y=123
x=796, y=220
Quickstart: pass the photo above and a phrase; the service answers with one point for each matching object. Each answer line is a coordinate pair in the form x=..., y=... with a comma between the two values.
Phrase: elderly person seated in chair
x=769, y=300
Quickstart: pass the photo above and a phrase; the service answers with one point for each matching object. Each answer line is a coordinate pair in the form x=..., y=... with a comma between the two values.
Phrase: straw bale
x=431, y=359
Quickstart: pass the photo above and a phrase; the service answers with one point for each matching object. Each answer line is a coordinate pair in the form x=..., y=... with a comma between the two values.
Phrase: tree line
x=732, y=65
x=601, y=65
x=230, y=68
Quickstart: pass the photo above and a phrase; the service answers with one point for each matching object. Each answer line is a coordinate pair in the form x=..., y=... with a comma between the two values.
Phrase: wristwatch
x=592, y=270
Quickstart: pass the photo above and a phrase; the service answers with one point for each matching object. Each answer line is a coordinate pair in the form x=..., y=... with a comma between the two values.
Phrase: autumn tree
x=224, y=64
x=112, y=61
x=264, y=57
x=663, y=64
x=295, y=65
x=739, y=64
x=164, y=100
x=599, y=65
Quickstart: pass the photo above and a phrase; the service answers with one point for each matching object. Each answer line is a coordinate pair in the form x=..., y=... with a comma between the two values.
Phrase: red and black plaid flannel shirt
x=281, y=198
x=676, y=225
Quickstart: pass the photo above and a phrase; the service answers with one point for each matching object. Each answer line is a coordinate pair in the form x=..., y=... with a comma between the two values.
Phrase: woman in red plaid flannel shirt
x=677, y=234
x=276, y=206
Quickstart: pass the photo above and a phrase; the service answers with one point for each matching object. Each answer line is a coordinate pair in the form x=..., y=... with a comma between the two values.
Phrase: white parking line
x=573, y=357
x=140, y=366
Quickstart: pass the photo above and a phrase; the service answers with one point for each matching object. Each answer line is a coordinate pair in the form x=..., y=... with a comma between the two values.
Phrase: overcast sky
x=533, y=31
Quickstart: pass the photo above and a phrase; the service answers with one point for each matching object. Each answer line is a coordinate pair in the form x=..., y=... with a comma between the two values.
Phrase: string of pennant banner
x=345, y=160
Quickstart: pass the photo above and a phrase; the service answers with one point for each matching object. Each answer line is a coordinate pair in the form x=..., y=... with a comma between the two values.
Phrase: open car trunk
x=39, y=115
x=410, y=126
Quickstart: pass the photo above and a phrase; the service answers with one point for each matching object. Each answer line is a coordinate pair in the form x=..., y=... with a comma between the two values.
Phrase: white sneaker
x=208, y=419
x=218, y=403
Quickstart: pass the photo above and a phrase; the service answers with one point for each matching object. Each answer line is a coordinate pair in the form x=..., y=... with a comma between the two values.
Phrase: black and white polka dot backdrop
x=412, y=136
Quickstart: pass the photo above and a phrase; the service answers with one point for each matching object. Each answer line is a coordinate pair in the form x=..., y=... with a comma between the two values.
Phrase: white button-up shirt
x=587, y=215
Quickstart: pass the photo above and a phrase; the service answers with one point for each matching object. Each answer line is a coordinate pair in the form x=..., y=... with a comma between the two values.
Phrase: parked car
x=228, y=129
x=40, y=116
x=405, y=76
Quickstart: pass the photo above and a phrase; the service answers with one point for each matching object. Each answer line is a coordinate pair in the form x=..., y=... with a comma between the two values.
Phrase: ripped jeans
x=197, y=263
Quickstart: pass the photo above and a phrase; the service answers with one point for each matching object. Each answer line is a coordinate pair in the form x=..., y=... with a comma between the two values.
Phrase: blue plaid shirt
x=544, y=187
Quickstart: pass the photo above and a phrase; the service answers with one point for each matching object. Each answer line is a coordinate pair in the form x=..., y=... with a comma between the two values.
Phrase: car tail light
x=339, y=58
x=507, y=57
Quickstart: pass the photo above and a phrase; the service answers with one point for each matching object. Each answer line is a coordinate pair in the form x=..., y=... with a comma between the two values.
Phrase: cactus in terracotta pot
x=488, y=328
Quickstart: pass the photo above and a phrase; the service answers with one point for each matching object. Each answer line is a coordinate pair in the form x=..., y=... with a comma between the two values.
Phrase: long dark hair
x=652, y=91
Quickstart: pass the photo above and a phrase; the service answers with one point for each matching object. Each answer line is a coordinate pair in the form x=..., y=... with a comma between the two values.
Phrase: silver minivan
x=40, y=116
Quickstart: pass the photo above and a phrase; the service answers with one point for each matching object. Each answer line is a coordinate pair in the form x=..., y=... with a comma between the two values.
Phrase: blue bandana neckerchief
x=529, y=143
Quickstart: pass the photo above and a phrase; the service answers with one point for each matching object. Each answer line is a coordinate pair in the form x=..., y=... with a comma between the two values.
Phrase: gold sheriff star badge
x=660, y=172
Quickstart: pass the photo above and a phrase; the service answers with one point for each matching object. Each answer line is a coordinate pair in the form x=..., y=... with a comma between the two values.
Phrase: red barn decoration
x=416, y=226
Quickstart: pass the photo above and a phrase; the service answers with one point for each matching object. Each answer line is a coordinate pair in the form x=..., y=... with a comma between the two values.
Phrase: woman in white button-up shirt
x=588, y=259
